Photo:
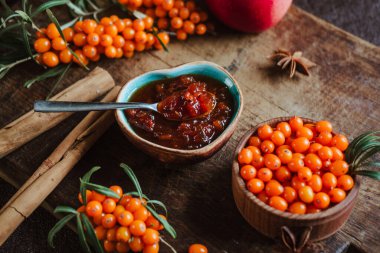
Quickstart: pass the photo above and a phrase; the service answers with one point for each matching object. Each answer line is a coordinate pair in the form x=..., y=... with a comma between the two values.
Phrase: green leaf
x=65, y=209
x=368, y=173
x=48, y=5
x=91, y=234
x=26, y=18
x=164, y=222
x=100, y=189
x=133, y=178
x=86, y=178
x=70, y=23
x=49, y=73
x=25, y=35
x=159, y=203
x=82, y=236
x=57, y=227
x=58, y=80
x=55, y=21
x=77, y=57
x=136, y=194
x=78, y=11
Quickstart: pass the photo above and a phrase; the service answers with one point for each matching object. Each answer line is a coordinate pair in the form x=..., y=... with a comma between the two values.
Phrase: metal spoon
x=63, y=106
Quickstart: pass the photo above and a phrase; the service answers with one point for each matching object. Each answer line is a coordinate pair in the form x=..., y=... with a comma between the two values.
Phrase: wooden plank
x=343, y=88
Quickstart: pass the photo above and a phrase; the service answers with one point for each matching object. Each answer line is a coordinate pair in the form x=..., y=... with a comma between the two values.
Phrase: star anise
x=294, y=62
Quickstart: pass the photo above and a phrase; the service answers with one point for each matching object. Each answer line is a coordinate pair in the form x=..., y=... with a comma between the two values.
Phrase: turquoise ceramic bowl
x=166, y=154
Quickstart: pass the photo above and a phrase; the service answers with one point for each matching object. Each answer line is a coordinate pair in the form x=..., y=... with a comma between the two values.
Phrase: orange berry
x=267, y=147
x=329, y=180
x=325, y=153
x=65, y=56
x=118, y=41
x=315, y=183
x=68, y=33
x=122, y=247
x=140, y=37
x=284, y=127
x=314, y=148
x=141, y=214
x=50, y=59
x=118, y=210
x=98, y=196
x=195, y=17
x=164, y=37
x=345, y=182
x=296, y=183
x=120, y=25
x=100, y=232
x=255, y=185
x=136, y=244
x=93, y=39
x=340, y=141
x=98, y=219
x=110, y=52
x=197, y=248
x=94, y=208
x=160, y=12
x=278, y=203
x=123, y=234
x=114, y=18
x=298, y=208
x=300, y=144
x=133, y=204
x=88, y=196
x=254, y=141
x=111, y=30
x=337, y=195
x=323, y=126
x=148, y=3
x=257, y=161
x=176, y=22
x=153, y=248
x=125, y=218
x=339, y=168
x=128, y=54
x=52, y=31
x=337, y=154
x=109, y=221
x=42, y=45
x=247, y=172
x=41, y=33
x=139, y=47
x=313, y=162
x=312, y=209
x=152, y=222
x=134, y=4
x=264, y=174
x=174, y=12
x=163, y=23
x=324, y=138
x=272, y=161
x=306, y=194
x=179, y=4
x=95, y=58
x=89, y=51
x=78, y=27
x=106, y=40
x=190, y=5
x=263, y=197
x=321, y=200
x=167, y=5
x=89, y=26
x=245, y=156
x=129, y=46
x=305, y=132
x=184, y=13
x=111, y=234
x=278, y=138
x=106, y=21
x=148, y=22
x=274, y=188
x=151, y=236
x=289, y=194
x=295, y=123
x=138, y=25
x=295, y=164
x=189, y=27
x=109, y=246
x=304, y=174
x=137, y=228
x=181, y=35
x=81, y=209
x=255, y=151
x=283, y=174
x=79, y=39
x=109, y=205
x=285, y=155
x=265, y=132
x=129, y=33
x=149, y=40
x=99, y=30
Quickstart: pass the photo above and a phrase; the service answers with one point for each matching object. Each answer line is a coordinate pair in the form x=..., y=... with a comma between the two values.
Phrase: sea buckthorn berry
x=129, y=33
x=285, y=156
x=264, y=174
x=109, y=205
x=134, y=4
x=255, y=150
x=42, y=45
x=278, y=138
x=128, y=54
x=109, y=221
x=300, y=144
x=114, y=18
x=164, y=37
x=257, y=161
x=325, y=153
x=81, y=209
x=152, y=222
x=305, y=174
x=189, y=27
x=267, y=147
x=329, y=180
x=339, y=168
x=133, y=204
x=337, y=154
x=93, y=39
x=111, y=30
x=263, y=197
x=118, y=210
x=345, y=182
x=78, y=27
x=273, y=188
x=94, y=208
x=298, y=155
x=321, y=200
x=284, y=127
x=176, y=23
x=109, y=246
x=137, y=228
x=153, y=248
x=283, y=174
x=315, y=147
x=122, y=247
x=68, y=33
x=111, y=234
x=298, y=208
x=181, y=35
x=289, y=140
x=184, y=13
x=323, y=126
x=79, y=39
x=295, y=123
x=312, y=209
x=100, y=232
x=151, y=236
x=203, y=15
x=167, y=5
x=278, y=203
x=297, y=184
x=150, y=12
x=120, y=25
x=305, y=132
x=255, y=185
x=141, y=214
x=125, y=218
x=118, y=41
x=148, y=22
x=88, y=196
x=179, y=4
x=89, y=51
x=247, y=172
x=281, y=148
x=315, y=183
x=254, y=141
x=99, y=30
x=295, y=164
x=190, y=5
x=148, y=3
x=245, y=156
x=123, y=234
x=324, y=138
x=106, y=21
x=337, y=195
x=138, y=25
x=65, y=56
x=89, y=26
x=98, y=196
x=140, y=37
x=110, y=52
x=106, y=40
x=160, y=12
x=265, y=132
x=313, y=162
x=306, y=194
x=174, y=12
x=129, y=46
x=149, y=40
x=289, y=194
x=195, y=17
x=340, y=141
x=98, y=219
x=52, y=31
x=162, y=23
x=41, y=33
x=95, y=58
x=197, y=248
x=50, y=59
x=272, y=161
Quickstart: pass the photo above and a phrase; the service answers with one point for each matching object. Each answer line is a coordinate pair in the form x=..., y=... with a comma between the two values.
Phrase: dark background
x=360, y=17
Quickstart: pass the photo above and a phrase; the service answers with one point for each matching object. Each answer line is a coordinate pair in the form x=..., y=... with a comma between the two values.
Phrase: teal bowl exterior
x=166, y=154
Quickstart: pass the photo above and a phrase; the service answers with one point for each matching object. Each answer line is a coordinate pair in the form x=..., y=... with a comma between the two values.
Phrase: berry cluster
x=122, y=224
x=114, y=37
x=296, y=167
x=183, y=18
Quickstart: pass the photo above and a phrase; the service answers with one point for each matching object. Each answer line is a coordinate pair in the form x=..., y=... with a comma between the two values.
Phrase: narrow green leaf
x=55, y=21
x=159, y=203
x=48, y=5
x=57, y=227
x=49, y=73
x=26, y=40
x=100, y=189
x=133, y=178
x=82, y=236
x=77, y=57
x=91, y=234
x=70, y=23
x=136, y=194
x=78, y=11
x=368, y=173
x=58, y=80
x=164, y=222
x=86, y=178
x=65, y=209
x=3, y=72
x=371, y=164
x=26, y=18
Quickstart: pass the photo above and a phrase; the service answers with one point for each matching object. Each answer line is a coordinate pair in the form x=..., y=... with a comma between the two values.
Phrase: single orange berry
x=41, y=33
x=278, y=138
x=263, y=197
x=300, y=144
x=111, y=234
x=306, y=194
x=340, y=141
x=128, y=54
x=109, y=221
x=295, y=164
x=153, y=248
x=289, y=194
x=141, y=214
x=329, y=180
x=118, y=41
x=321, y=200
x=89, y=26
x=272, y=161
x=337, y=195
x=129, y=46
x=176, y=22
x=98, y=219
x=305, y=132
x=79, y=39
x=264, y=174
x=50, y=59
x=98, y=196
x=152, y=222
x=254, y=141
x=138, y=25
x=89, y=51
x=110, y=52
x=164, y=37
x=101, y=232
x=324, y=138
x=78, y=27
x=65, y=56
x=339, y=168
x=68, y=33
x=179, y=4
x=247, y=172
x=93, y=39
x=278, y=203
x=94, y=208
x=190, y=5
x=139, y=47
x=315, y=183
x=296, y=183
x=134, y=4
x=125, y=218
x=195, y=17
x=283, y=174
x=109, y=246
x=345, y=182
x=120, y=25
x=323, y=126
x=315, y=147
x=254, y=150
x=312, y=209
x=174, y=12
x=99, y=30
x=197, y=248
x=313, y=162
x=133, y=204
x=181, y=35
x=151, y=236
x=106, y=40
x=160, y=12
x=274, y=188
x=257, y=161
x=184, y=13
x=284, y=127
x=305, y=174
x=111, y=30
x=297, y=208
x=141, y=37
x=245, y=156
x=267, y=147
x=295, y=123
x=129, y=33
x=189, y=27
x=123, y=234
x=285, y=155
x=137, y=228
x=114, y=18
x=265, y=132
x=122, y=247
x=118, y=210
x=52, y=31
x=106, y=21
x=148, y=22
x=167, y=5
x=337, y=154
x=136, y=244
x=255, y=185
x=88, y=196
x=325, y=153
x=109, y=205
x=42, y=45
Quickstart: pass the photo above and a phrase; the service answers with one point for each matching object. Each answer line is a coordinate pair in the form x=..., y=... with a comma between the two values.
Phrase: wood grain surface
x=344, y=88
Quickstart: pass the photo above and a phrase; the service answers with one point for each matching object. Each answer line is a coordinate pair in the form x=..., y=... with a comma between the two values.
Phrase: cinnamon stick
x=34, y=194
x=32, y=124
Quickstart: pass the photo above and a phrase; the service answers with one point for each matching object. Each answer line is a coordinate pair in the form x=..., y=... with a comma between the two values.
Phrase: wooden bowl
x=171, y=155
x=294, y=229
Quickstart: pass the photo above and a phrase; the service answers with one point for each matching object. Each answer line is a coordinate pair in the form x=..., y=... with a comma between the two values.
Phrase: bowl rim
x=204, y=149
x=302, y=217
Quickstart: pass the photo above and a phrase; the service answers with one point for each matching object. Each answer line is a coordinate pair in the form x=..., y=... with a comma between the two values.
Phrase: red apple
x=249, y=15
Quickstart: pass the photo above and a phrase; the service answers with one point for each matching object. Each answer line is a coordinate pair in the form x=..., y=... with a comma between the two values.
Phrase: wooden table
x=344, y=88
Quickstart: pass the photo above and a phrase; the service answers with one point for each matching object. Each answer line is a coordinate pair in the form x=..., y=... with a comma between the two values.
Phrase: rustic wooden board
x=344, y=88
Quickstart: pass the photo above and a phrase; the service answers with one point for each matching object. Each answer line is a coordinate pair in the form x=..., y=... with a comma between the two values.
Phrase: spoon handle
x=61, y=106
